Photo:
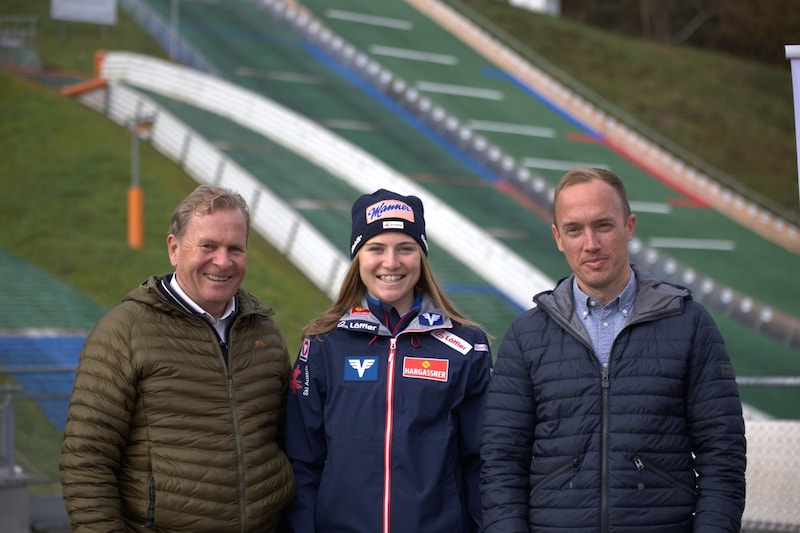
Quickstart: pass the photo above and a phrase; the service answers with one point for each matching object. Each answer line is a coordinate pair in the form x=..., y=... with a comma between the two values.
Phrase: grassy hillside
x=737, y=115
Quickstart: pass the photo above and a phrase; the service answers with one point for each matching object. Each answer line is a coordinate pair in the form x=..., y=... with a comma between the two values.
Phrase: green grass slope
x=735, y=114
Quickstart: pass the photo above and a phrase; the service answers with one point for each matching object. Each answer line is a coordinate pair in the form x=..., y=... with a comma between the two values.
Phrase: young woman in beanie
x=388, y=391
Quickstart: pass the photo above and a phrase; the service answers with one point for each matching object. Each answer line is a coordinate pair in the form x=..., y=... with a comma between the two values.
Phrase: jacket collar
x=653, y=297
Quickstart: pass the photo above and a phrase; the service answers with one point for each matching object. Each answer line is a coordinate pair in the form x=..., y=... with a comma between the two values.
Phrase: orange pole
x=99, y=56
x=135, y=217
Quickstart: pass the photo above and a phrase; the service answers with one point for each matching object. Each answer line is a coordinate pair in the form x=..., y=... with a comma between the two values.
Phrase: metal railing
x=18, y=30
x=771, y=382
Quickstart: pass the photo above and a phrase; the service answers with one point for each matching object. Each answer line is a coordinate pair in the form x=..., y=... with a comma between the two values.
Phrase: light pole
x=793, y=54
x=135, y=194
x=174, y=24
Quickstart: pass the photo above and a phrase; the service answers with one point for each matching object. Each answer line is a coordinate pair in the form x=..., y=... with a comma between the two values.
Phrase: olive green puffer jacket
x=161, y=436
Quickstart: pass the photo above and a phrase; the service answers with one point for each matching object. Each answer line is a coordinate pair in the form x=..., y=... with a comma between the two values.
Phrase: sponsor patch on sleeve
x=453, y=341
x=300, y=380
x=727, y=371
x=303, y=355
x=294, y=383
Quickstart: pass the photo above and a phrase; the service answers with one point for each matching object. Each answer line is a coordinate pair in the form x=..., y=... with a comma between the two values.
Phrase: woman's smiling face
x=390, y=266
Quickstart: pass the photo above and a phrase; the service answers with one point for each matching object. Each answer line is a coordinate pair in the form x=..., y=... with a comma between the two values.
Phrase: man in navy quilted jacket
x=613, y=405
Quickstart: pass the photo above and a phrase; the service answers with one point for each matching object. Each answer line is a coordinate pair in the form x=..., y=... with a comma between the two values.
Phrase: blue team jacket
x=383, y=429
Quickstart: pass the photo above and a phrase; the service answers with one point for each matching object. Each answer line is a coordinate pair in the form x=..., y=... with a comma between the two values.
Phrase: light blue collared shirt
x=603, y=323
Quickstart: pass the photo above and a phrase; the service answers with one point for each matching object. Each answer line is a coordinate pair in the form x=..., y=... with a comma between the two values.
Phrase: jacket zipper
x=237, y=433
x=572, y=465
x=641, y=465
x=387, y=435
x=605, y=384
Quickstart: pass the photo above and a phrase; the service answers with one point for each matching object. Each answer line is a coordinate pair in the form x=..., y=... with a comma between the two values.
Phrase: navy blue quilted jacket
x=383, y=429
x=653, y=444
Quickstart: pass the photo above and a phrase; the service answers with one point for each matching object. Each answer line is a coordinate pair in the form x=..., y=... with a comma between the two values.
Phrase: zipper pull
x=639, y=466
x=392, y=348
x=574, y=471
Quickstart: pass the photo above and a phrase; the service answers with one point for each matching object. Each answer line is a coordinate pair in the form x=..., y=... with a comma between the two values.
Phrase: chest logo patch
x=431, y=319
x=359, y=310
x=426, y=368
x=360, y=369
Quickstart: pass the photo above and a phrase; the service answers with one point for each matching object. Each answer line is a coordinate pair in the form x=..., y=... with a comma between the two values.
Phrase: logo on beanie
x=355, y=244
x=389, y=209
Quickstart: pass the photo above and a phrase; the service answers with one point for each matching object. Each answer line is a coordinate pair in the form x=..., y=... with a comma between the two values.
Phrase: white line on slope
x=557, y=164
x=694, y=244
x=350, y=16
x=415, y=55
x=650, y=207
x=460, y=90
x=516, y=129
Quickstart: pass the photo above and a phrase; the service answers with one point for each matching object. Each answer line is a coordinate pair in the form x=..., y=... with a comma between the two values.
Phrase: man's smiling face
x=210, y=258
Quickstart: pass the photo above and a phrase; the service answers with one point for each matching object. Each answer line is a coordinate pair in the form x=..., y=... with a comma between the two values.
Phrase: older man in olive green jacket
x=176, y=415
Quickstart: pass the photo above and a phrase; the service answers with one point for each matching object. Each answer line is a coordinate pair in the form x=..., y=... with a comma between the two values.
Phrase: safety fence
x=18, y=30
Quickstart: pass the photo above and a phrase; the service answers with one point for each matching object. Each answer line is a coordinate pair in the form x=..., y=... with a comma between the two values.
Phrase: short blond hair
x=206, y=199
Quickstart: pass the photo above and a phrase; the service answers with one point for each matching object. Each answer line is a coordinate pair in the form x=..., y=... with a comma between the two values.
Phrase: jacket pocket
x=571, y=467
x=642, y=465
x=151, y=504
